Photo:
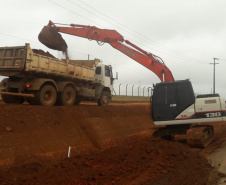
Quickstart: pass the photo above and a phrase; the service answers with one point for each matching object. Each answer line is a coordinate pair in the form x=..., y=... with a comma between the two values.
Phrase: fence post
x=126, y=89
x=149, y=91
x=119, y=89
x=143, y=90
x=132, y=90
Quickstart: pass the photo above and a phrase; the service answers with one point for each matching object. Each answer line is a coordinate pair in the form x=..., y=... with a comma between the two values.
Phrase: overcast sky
x=187, y=35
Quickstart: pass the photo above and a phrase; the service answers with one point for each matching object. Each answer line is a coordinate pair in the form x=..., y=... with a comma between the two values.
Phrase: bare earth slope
x=109, y=145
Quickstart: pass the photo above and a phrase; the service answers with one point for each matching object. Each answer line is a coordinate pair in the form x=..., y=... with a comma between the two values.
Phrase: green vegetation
x=130, y=98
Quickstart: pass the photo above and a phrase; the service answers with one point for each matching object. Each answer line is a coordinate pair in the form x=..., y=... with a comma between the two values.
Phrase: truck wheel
x=12, y=99
x=78, y=101
x=6, y=98
x=104, y=99
x=68, y=96
x=46, y=96
x=32, y=101
x=19, y=100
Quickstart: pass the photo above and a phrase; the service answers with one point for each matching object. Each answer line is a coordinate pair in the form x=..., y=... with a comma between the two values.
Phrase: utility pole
x=214, y=63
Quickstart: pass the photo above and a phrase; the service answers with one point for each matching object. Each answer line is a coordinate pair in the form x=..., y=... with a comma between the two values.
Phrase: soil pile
x=41, y=52
x=145, y=161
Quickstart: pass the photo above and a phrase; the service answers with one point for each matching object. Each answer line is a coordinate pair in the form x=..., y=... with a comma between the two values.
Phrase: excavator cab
x=170, y=99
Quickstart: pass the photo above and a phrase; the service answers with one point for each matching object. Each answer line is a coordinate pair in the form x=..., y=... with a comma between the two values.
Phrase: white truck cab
x=103, y=75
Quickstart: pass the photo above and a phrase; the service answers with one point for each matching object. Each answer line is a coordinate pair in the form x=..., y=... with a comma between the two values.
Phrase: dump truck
x=41, y=79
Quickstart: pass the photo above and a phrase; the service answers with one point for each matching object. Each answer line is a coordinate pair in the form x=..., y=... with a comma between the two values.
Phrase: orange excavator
x=173, y=103
x=50, y=37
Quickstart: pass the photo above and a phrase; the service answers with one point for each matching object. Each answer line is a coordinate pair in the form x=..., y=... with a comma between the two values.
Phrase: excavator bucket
x=52, y=39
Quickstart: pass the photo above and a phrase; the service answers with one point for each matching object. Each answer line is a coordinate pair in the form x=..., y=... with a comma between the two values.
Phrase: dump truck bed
x=22, y=61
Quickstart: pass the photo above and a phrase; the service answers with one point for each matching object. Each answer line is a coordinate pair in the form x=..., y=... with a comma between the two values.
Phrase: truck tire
x=32, y=101
x=68, y=96
x=104, y=99
x=12, y=99
x=78, y=100
x=46, y=96
x=6, y=98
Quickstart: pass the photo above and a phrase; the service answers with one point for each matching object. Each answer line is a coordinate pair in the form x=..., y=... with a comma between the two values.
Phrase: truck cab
x=103, y=75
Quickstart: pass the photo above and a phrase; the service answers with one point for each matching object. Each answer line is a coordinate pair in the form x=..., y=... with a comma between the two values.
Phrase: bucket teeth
x=52, y=39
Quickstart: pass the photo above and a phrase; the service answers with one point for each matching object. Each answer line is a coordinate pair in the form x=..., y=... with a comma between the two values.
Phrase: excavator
x=174, y=106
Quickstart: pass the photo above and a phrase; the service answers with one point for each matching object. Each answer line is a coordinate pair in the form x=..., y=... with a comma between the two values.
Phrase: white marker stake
x=69, y=151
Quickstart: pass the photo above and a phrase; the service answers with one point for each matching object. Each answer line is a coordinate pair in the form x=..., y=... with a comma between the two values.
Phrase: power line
x=221, y=59
x=167, y=49
x=153, y=42
x=18, y=37
x=71, y=11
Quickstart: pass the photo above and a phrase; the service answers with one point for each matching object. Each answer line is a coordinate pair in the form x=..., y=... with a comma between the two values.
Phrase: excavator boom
x=50, y=37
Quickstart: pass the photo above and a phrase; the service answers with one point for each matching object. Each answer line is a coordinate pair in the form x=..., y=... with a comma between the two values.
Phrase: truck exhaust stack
x=52, y=39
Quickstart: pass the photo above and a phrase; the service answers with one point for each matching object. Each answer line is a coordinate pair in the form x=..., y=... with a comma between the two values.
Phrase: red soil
x=109, y=145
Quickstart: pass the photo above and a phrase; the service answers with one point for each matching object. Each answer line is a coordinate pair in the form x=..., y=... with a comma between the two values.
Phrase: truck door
x=164, y=104
x=104, y=75
x=107, y=76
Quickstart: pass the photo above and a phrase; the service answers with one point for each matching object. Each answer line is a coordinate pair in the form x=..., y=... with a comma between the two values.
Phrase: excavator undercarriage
x=198, y=136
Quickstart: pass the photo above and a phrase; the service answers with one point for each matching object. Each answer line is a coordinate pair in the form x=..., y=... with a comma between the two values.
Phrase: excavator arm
x=50, y=37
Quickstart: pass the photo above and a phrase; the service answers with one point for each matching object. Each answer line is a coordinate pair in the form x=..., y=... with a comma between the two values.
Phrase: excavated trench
x=108, y=145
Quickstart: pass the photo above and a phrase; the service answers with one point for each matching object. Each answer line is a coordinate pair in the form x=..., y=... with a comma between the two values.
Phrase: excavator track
x=200, y=136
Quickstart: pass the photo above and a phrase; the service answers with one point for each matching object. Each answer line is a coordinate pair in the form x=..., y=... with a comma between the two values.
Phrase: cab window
x=98, y=71
x=107, y=71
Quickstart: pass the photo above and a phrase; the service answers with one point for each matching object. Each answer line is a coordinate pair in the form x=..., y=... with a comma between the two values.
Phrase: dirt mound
x=49, y=131
x=109, y=145
x=144, y=161
x=41, y=52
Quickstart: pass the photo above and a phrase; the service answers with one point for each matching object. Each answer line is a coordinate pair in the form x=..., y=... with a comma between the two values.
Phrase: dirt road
x=109, y=145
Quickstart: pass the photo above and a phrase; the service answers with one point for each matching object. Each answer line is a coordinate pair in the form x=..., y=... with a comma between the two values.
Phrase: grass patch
x=130, y=98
